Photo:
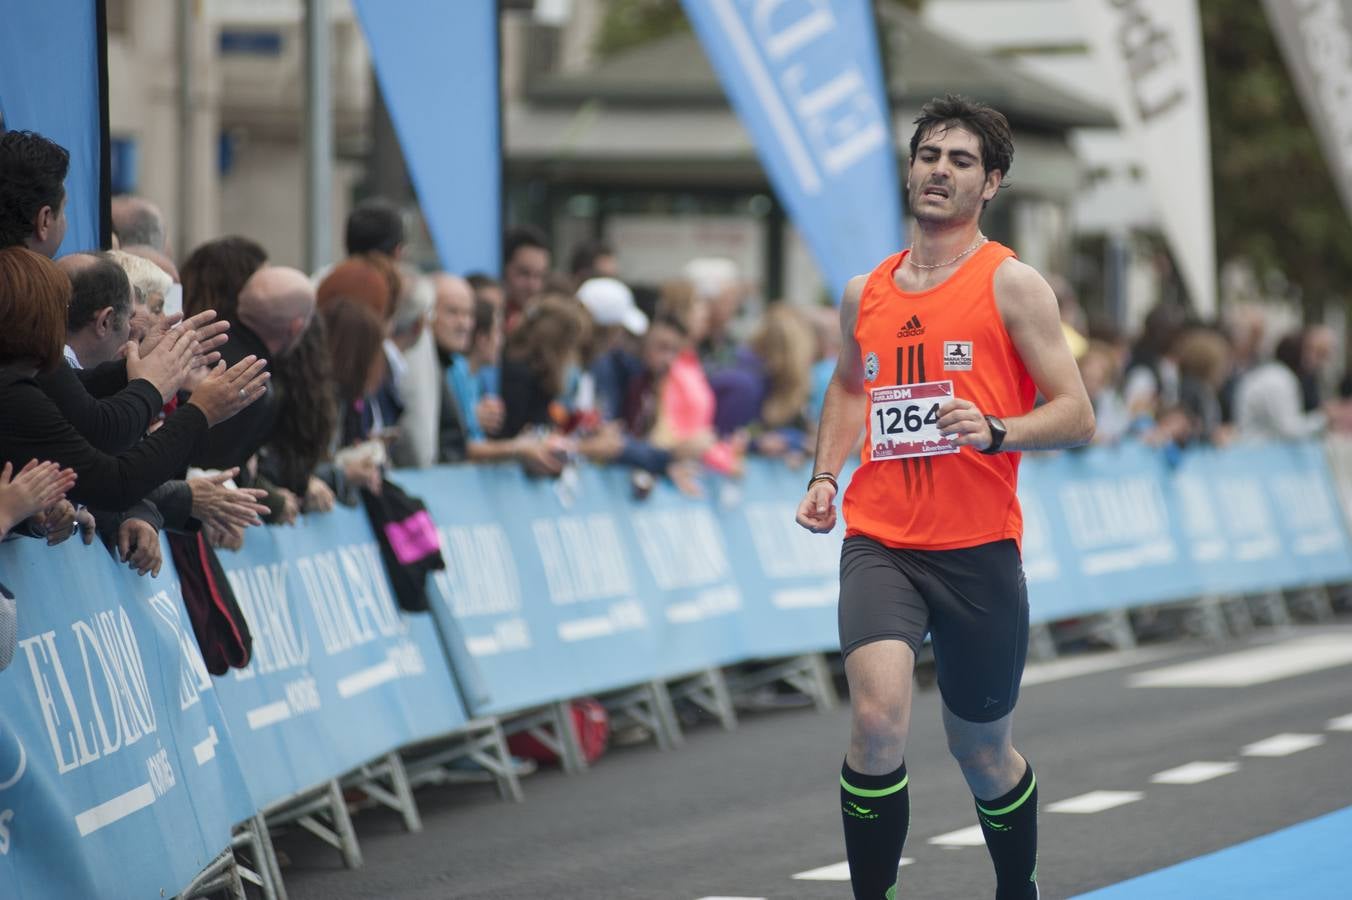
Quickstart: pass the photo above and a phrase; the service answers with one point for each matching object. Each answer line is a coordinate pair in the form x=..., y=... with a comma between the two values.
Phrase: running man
x=945, y=347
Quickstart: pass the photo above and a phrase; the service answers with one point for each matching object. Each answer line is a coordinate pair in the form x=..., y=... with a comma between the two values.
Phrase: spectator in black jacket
x=96, y=328
x=101, y=301
x=34, y=295
x=275, y=307
x=112, y=402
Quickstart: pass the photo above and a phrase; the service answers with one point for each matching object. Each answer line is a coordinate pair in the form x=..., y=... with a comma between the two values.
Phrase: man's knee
x=879, y=722
x=979, y=753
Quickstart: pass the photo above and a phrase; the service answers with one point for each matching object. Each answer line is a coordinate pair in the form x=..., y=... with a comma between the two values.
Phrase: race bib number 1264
x=904, y=421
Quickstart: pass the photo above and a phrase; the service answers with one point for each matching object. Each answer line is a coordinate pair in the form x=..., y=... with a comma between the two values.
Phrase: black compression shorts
x=973, y=602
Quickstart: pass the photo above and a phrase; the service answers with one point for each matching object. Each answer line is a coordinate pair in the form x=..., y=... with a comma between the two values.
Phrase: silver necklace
x=980, y=239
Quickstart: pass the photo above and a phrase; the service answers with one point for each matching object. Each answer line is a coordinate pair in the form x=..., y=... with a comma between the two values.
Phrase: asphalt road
x=737, y=815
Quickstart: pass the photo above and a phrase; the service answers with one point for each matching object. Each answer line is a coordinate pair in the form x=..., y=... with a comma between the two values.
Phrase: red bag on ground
x=590, y=721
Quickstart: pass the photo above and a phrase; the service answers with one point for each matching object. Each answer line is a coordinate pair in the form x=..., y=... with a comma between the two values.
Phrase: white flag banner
x=1316, y=39
x=1152, y=50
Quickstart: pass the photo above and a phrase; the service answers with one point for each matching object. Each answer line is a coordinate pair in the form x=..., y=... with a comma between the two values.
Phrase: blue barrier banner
x=49, y=83
x=790, y=577
x=806, y=82
x=437, y=65
x=1110, y=517
x=1261, y=518
x=339, y=675
x=1117, y=527
x=543, y=582
x=117, y=779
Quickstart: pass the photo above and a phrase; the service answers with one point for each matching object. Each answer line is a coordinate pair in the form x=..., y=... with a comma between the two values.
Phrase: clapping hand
x=37, y=487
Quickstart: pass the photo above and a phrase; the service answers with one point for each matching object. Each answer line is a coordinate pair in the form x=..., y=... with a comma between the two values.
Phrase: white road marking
x=269, y=714
x=205, y=750
x=963, y=837
x=1342, y=723
x=1195, y=773
x=1074, y=667
x=1283, y=744
x=837, y=871
x=1095, y=802
x=365, y=679
x=1256, y=666
x=119, y=807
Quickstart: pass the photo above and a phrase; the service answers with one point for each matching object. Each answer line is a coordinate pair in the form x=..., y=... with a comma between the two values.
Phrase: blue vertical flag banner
x=52, y=80
x=437, y=65
x=805, y=79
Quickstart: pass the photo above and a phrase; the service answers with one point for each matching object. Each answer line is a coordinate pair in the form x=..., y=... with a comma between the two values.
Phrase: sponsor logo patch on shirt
x=957, y=356
x=871, y=366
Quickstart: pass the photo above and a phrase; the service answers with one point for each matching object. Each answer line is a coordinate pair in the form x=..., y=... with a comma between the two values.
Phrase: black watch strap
x=998, y=432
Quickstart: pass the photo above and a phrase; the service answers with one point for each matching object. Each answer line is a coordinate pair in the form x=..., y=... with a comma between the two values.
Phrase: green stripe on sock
x=1013, y=806
x=881, y=792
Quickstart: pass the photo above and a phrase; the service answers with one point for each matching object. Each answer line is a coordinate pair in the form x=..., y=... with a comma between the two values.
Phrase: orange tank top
x=951, y=332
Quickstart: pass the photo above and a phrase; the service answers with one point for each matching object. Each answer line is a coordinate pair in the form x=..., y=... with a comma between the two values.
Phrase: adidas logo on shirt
x=912, y=328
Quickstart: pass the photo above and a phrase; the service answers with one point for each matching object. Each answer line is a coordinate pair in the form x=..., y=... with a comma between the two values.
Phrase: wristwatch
x=998, y=432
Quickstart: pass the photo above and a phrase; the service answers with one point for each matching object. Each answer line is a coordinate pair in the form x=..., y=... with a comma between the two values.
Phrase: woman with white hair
x=150, y=286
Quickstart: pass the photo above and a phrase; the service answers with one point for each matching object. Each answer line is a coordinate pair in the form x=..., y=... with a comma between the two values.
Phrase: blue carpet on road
x=1310, y=861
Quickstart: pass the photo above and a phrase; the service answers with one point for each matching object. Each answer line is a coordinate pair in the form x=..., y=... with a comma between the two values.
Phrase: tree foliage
x=628, y=23
x=1276, y=203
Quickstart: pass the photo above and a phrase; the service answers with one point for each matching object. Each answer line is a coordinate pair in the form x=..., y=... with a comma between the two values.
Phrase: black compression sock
x=876, y=810
x=1010, y=826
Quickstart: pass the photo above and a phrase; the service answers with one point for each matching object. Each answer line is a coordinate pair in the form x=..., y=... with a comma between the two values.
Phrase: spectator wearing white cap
x=620, y=324
x=617, y=368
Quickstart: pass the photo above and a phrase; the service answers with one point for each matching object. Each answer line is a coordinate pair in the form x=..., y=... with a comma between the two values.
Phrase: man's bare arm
x=1028, y=308
x=842, y=417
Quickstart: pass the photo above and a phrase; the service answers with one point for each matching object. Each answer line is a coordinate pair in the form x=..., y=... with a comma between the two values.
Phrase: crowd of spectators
x=118, y=369
x=1187, y=383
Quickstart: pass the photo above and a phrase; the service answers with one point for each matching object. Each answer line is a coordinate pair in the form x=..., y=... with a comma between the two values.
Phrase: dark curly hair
x=989, y=125
x=215, y=273
x=32, y=175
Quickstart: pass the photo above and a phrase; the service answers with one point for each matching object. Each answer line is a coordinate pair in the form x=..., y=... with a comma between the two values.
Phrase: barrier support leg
x=386, y=782
x=1212, y=622
x=1238, y=615
x=1273, y=609
x=649, y=705
x=262, y=869
x=309, y=809
x=567, y=744
x=221, y=874
x=1314, y=602
x=1117, y=629
x=807, y=674
x=342, y=822
x=273, y=866
x=482, y=742
x=709, y=691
